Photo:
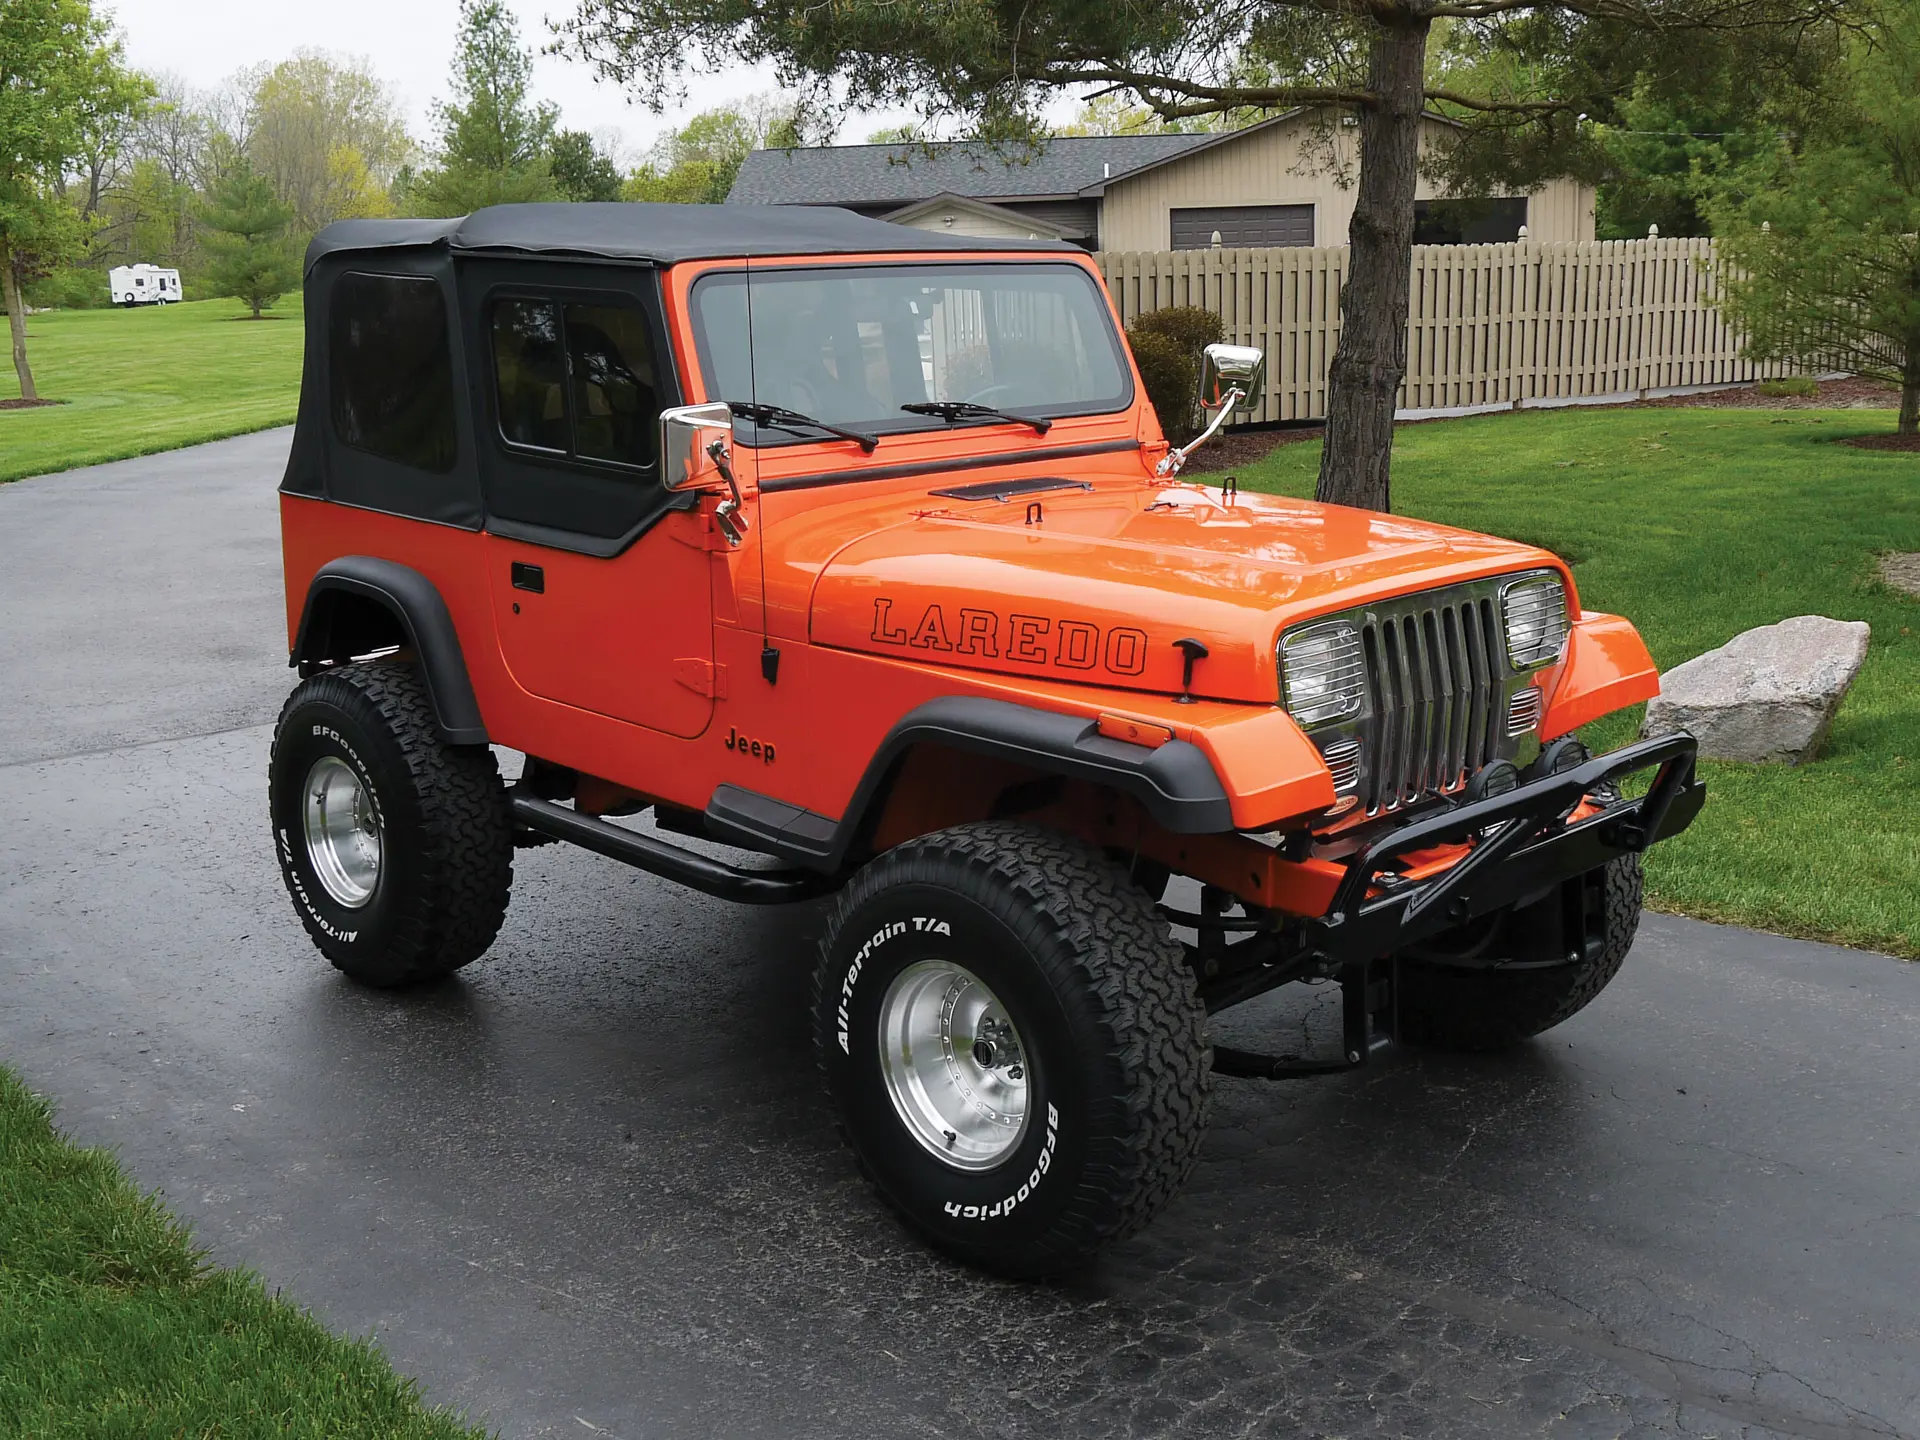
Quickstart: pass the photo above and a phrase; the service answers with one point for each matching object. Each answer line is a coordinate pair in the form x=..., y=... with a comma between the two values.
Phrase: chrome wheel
x=953, y=1064
x=343, y=832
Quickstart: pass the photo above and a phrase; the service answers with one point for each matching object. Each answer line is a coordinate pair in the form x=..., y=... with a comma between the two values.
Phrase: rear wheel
x=1455, y=1008
x=1014, y=1045
x=396, y=847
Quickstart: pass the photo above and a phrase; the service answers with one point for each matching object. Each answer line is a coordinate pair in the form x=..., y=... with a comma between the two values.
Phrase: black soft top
x=653, y=234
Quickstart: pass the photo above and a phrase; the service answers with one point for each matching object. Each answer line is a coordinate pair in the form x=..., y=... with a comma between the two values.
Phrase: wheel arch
x=358, y=604
x=1009, y=744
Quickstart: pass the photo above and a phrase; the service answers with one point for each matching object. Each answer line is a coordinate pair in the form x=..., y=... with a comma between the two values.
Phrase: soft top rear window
x=390, y=368
x=851, y=344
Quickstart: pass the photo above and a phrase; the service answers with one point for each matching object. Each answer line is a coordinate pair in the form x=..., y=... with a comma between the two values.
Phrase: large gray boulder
x=1767, y=694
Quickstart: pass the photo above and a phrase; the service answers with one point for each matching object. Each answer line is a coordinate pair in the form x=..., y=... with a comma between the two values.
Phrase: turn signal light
x=1134, y=732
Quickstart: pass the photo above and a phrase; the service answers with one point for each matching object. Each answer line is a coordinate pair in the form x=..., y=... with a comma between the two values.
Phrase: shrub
x=75, y=288
x=1166, y=346
x=1172, y=379
x=1803, y=387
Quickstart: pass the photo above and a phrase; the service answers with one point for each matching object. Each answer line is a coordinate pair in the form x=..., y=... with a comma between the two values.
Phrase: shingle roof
x=901, y=173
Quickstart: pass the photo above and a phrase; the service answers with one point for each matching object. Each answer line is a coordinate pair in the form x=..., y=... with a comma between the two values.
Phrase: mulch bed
x=1909, y=443
x=1852, y=393
x=27, y=404
x=1245, y=447
x=1902, y=571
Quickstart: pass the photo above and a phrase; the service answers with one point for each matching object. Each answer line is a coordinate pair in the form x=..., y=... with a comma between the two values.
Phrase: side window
x=390, y=369
x=575, y=380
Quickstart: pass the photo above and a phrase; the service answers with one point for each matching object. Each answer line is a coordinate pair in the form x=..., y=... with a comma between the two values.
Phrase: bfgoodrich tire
x=1491, y=1009
x=396, y=847
x=1014, y=1045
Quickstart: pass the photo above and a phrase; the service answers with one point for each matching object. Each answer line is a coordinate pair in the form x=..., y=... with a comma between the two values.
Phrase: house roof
x=662, y=234
x=899, y=174
x=946, y=200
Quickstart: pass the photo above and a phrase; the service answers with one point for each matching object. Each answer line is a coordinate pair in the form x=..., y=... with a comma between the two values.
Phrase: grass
x=112, y=1325
x=137, y=381
x=1698, y=524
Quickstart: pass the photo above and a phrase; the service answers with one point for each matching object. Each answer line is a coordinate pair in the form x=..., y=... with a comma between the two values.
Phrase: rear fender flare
x=338, y=593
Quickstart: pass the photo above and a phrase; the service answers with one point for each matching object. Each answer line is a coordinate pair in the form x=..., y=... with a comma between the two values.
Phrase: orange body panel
x=1606, y=668
x=879, y=596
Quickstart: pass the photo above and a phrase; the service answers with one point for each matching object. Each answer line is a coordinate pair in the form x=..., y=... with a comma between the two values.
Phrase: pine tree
x=495, y=143
x=252, y=256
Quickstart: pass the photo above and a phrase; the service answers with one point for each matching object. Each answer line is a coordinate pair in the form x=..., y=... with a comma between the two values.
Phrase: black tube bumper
x=1524, y=847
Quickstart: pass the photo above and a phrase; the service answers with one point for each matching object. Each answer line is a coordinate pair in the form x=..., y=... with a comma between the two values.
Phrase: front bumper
x=1522, y=845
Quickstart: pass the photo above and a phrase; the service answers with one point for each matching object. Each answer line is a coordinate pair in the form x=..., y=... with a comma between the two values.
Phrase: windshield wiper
x=955, y=410
x=781, y=418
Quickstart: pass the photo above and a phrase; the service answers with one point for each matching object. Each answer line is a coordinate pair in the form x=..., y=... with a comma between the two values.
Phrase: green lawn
x=1699, y=524
x=148, y=379
x=112, y=1324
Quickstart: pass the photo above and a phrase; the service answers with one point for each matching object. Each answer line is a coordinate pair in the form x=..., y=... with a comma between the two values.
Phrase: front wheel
x=1453, y=1008
x=1013, y=1042
x=396, y=847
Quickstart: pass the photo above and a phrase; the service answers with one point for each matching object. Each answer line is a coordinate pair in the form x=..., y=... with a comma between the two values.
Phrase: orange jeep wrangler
x=859, y=548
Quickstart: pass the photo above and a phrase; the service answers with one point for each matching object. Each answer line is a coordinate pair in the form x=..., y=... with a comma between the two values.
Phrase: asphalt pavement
x=590, y=1188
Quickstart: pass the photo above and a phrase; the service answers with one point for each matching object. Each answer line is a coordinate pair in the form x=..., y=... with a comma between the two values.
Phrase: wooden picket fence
x=1488, y=325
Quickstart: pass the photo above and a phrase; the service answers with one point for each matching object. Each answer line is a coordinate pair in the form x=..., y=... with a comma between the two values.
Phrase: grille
x=1343, y=759
x=1436, y=664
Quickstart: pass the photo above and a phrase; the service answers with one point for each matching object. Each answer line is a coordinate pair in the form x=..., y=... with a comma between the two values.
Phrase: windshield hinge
x=703, y=677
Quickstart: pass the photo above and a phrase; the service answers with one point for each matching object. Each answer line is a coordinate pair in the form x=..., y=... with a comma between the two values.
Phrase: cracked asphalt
x=591, y=1189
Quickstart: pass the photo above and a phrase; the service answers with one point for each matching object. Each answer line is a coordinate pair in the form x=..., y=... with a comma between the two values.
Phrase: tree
x=252, y=257
x=303, y=113
x=495, y=143
x=997, y=61
x=60, y=78
x=580, y=169
x=1820, y=232
x=696, y=164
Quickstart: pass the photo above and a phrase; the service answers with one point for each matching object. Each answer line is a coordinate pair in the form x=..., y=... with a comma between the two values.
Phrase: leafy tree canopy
x=1820, y=230
x=1523, y=74
x=580, y=169
x=61, y=82
x=495, y=142
x=696, y=164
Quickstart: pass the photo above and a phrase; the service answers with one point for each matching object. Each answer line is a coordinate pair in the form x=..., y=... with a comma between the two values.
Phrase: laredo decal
x=1035, y=639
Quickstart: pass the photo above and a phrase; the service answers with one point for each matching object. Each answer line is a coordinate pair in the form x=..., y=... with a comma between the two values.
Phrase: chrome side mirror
x=1232, y=380
x=687, y=434
x=696, y=453
x=1238, y=372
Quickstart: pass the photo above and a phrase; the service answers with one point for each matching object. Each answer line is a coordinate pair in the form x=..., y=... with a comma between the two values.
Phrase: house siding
x=1278, y=165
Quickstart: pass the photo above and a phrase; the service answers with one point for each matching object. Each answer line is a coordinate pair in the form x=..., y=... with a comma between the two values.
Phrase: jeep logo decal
x=1035, y=639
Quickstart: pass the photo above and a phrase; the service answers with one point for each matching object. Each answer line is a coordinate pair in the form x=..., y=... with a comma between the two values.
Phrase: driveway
x=590, y=1188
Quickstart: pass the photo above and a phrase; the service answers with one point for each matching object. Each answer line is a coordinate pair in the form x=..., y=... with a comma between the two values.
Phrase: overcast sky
x=410, y=46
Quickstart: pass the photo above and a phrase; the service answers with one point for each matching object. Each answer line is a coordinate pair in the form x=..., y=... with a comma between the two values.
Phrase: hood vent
x=1006, y=489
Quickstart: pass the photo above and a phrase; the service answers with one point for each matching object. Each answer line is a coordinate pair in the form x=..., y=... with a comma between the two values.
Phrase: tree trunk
x=1909, y=423
x=1371, y=358
x=17, y=323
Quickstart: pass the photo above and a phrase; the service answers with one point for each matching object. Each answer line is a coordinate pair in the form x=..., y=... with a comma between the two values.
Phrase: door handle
x=529, y=577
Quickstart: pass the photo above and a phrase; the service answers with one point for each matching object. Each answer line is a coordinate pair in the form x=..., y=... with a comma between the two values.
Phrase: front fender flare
x=1175, y=782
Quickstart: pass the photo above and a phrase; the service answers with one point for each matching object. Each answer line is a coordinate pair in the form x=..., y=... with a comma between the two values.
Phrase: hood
x=1101, y=586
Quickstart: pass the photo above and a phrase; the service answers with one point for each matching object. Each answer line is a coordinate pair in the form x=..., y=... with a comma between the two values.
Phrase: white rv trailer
x=144, y=285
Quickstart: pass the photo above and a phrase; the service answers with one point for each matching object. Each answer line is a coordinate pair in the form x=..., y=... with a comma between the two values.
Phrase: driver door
x=600, y=578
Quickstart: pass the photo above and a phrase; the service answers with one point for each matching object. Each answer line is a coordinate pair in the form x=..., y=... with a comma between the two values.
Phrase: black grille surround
x=1439, y=691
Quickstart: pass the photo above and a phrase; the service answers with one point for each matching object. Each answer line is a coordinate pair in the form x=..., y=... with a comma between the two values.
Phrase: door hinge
x=703, y=677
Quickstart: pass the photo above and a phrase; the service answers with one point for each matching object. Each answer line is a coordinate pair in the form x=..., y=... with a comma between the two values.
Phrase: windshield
x=850, y=345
